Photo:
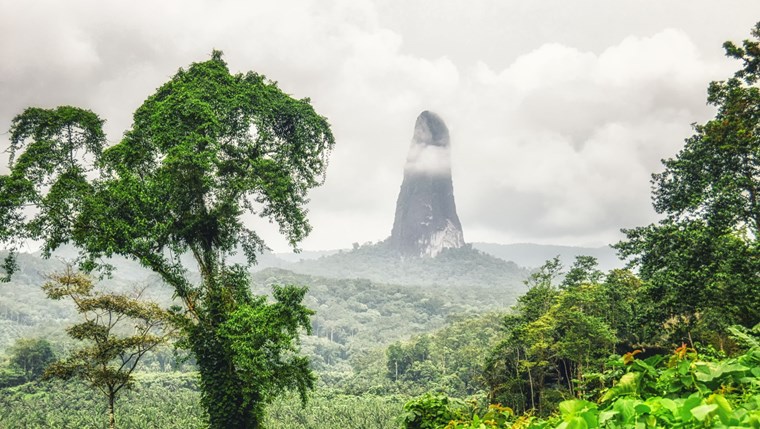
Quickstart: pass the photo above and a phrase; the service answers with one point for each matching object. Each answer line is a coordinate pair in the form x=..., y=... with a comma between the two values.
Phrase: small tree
x=585, y=270
x=31, y=356
x=117, y=331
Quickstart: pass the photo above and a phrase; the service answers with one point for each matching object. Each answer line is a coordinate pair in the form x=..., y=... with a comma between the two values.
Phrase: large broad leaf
x=720, y=401
x=724, y=411
x=702, y=411
x=574, y=407
x=664, y=403
x=689, y=404
x=574, y=423
x=626, y=408
x=648, y=365
x=707, y=372
x=628, y=385
x=604, y=416
x=642, y=408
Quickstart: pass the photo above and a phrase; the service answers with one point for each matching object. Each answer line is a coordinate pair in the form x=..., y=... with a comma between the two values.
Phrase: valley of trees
x=672, y=341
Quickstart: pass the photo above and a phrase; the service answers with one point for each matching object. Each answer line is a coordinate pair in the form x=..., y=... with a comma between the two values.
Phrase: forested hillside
x=464, y=268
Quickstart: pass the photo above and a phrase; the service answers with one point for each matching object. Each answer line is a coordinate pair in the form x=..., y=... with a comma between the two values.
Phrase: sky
x=559, y=111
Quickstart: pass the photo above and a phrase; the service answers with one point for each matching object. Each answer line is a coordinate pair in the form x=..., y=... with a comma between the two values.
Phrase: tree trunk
x=569, y=378
x=518, y=377
x=530, y=380
x=229, y=403
x=111, y=415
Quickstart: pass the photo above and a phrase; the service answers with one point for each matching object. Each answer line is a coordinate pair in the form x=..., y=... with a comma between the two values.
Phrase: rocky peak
x=426, y=219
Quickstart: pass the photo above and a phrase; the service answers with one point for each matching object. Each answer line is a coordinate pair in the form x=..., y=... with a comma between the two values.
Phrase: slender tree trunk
x=520, y=383
x=569, y=378
x=532, y=401
x=111, y=415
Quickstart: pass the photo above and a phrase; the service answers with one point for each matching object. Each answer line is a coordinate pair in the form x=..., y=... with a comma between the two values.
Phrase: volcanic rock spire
x=426, y=217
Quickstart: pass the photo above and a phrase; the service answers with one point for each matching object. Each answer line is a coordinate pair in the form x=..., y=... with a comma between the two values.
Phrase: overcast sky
x=559, y=111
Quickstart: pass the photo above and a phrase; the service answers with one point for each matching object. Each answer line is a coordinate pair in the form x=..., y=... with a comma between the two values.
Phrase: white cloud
x=668, y=54
x=431, y=160
x=578, y=135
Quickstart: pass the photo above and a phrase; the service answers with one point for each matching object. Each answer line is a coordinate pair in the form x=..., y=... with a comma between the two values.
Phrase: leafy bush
x=10, y=377
x=682, y=390
x=431, y=411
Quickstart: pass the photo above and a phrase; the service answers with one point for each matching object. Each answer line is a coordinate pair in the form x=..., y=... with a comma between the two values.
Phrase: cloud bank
x=557, y=115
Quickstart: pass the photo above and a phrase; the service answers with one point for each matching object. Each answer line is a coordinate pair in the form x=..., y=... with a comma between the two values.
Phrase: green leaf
x=606, y=415
x=625, y=407
x=641, y=409
x=627, y=385
x=577, y=423
x=669, y=405
x=688, y=404
x=575, y=406
x=702, y=411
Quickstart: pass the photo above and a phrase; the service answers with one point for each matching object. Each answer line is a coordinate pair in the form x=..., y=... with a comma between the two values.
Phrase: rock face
x=426, y=219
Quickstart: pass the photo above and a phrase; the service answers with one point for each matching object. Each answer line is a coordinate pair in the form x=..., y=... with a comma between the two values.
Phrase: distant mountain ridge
x=526, y=255
x=534, y=255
